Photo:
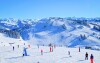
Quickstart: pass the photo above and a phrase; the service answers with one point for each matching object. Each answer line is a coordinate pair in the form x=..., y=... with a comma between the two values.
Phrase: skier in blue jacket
x=24, y=52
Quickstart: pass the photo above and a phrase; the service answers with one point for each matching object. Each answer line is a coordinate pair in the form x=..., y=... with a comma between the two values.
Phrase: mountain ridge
x=65, y=31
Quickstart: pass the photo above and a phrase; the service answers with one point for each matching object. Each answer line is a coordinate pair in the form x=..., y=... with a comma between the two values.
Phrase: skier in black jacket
x=86, y=56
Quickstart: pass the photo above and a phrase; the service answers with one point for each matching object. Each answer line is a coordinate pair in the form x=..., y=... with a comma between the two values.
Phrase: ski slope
x=59, y=55
x=6, y=41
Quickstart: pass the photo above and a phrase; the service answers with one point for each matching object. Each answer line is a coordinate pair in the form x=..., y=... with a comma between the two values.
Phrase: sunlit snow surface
x=59, y=55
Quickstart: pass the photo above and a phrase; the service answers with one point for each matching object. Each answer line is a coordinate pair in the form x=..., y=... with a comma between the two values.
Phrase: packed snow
x=59, y=55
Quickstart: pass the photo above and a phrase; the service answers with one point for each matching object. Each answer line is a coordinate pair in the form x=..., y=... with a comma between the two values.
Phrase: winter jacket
x=91, y=57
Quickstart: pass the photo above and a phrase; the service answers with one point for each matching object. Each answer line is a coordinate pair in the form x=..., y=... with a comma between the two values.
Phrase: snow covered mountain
x=72, y=32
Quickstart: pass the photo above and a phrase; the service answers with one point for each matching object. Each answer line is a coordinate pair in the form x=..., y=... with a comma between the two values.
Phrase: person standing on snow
x=29, y=46
x=79, y=49
x=18, y=46
x=13, y=48
x=41, y=52
x=50, y=49
x=68, y=52
x=38, y=46
x=24, y=43
x=86, y=56
x=24, y=52
x=91, y=58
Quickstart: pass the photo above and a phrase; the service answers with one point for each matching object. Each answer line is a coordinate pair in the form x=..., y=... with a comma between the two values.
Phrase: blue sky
x=35, y=9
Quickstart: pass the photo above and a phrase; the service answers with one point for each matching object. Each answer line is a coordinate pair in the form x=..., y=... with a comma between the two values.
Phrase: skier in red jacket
x=28, y=46
x=41, y=52
x=50, y=49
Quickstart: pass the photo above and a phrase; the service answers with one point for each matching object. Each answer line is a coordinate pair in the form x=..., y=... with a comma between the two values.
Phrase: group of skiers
x=51, y=50
x=86, y=57
x=91, y=57
x=25, y=52
x=14, y=47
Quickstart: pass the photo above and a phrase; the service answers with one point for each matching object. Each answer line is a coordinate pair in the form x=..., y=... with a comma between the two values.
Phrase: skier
x=24, y=52
x=68, y=52
x=38, y=46
x=86, y=56
x=41, y=52
x=13, y=48
x=24, y=43
x=28, y=46
x=50, y=49
x=18, y=46
x=91, y=58
x=79, y=49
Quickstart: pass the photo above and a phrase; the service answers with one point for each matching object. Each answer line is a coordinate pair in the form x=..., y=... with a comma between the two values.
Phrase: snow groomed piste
x=45, y=54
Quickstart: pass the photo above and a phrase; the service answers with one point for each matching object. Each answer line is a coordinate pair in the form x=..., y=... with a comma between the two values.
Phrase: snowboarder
x=41, y=52
x=13, y=48
x=86, y=56
x=24, y=52
x=91, y=58
x=79, y=49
